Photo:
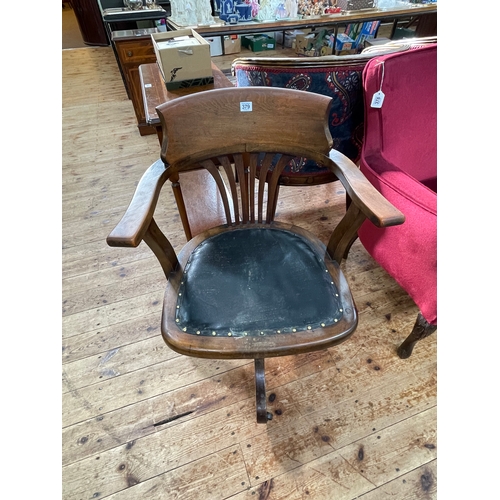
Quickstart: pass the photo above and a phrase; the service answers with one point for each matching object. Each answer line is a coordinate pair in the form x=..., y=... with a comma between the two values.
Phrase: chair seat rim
x=259, y=346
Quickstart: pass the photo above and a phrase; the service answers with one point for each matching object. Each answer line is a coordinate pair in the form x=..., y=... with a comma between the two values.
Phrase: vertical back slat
x=239, y=164
x=264, y=169
x=252, y=174
x=273, y=186
x=226, y=165
x=210, y=166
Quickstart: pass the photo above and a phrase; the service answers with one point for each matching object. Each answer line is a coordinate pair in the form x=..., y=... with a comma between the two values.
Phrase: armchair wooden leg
x=260, y=393
x=421, y=329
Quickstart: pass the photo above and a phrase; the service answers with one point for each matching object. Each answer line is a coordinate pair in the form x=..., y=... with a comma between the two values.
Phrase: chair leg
x=260, y=393
x=421, y=329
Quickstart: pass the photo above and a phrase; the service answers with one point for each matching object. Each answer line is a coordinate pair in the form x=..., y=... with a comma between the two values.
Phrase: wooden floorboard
x=142, y=422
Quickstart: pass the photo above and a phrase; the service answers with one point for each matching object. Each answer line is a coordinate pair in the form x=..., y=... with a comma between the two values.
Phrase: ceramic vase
x=226, y=8
x=245, y=11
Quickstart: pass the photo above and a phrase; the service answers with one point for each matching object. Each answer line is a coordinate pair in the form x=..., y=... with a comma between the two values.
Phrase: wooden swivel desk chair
x=251, y=288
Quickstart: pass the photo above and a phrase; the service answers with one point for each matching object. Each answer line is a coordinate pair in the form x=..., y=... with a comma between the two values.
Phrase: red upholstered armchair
x=399, y=158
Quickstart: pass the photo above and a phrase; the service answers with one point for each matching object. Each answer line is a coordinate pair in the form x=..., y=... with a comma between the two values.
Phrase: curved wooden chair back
x=246, y=131
x=245, y=120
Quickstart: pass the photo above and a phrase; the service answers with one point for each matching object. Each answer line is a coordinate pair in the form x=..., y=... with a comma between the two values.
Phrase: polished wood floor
x=142, y=422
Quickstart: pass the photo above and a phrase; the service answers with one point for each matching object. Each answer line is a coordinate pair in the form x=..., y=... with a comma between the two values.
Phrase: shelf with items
x=221, y=27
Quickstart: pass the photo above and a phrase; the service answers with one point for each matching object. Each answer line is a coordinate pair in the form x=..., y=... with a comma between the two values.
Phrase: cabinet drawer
x=137, y=51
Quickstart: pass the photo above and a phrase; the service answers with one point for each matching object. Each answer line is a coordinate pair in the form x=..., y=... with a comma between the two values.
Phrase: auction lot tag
x=377, y=99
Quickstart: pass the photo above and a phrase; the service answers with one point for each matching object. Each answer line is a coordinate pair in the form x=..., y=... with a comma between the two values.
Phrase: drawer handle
x=129, y=53
x=189, y=52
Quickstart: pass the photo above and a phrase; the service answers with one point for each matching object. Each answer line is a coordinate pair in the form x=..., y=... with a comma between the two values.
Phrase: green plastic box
x=258, y=43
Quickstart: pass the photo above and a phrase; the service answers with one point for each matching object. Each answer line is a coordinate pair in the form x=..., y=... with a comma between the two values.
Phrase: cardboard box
x=315, y=44
x=322, y=51
x=258, y=43
x=290, y=37
x=368, y=30
x=232, y=44
x=344, y=42
x=304, y=42
x=183, y=58
x=215, y=45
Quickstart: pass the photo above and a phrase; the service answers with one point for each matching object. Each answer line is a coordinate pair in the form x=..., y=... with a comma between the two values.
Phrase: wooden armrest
x=363, y=194
x=366, y=203
x=131, y=229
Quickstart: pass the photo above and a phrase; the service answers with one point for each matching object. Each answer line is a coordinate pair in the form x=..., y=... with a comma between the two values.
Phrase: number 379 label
x=245, y=106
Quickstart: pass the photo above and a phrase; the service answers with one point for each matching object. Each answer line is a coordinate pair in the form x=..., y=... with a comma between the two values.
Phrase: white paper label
x=378, y=99
x=245, y=106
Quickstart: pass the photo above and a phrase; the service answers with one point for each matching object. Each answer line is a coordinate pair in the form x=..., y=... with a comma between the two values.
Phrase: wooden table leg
x=176, y=188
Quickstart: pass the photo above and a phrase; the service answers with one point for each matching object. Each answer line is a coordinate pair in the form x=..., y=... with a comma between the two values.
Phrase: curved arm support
x=138, y=224
x=346, y=233
x=363, y=194
x=131, y=229
x=161, y=247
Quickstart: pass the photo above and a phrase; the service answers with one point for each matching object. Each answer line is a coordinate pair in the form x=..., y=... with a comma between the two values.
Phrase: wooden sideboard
x=133, y=48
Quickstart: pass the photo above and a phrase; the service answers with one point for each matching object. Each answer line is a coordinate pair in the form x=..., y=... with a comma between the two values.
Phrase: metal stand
x=260, y=393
